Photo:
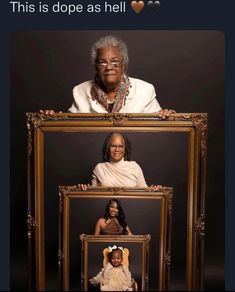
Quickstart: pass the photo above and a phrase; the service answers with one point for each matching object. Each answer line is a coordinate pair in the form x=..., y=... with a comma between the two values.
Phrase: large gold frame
x=67, y=194
x=195, y=124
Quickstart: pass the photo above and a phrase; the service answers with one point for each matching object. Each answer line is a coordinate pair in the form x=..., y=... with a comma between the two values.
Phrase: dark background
x=187, y=70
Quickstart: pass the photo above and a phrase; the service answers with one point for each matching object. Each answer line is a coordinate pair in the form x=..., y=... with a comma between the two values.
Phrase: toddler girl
x=115, y=276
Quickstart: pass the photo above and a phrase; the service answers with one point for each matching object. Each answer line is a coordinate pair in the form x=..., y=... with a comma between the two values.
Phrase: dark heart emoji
x=153, y=6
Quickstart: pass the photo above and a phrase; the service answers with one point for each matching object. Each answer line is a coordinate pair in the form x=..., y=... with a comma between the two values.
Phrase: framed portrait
x=136, y=247
x=64, y=148
x=148, y=212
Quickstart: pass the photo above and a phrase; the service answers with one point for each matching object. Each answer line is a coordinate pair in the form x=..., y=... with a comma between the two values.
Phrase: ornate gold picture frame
x=159, y=249
x=45, y=140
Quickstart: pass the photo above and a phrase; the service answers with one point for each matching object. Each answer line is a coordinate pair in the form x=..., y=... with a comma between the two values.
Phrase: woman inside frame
x=116, y=170
x=114, y=221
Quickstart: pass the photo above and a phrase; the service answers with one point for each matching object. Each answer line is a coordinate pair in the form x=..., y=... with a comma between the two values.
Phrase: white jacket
x=141, y=99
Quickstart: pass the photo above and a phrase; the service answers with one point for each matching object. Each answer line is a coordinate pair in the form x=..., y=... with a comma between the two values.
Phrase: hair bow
x=115, y=247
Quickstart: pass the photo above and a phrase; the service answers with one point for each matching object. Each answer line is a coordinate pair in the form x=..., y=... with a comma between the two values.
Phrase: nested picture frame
x=63, y=149
x=73, y=205
x=141, y=241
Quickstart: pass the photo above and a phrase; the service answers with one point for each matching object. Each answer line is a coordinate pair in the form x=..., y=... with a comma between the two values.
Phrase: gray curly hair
x=110, y=41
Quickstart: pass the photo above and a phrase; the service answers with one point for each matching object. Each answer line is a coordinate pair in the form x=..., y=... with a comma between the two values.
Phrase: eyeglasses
x=103, y=64
x=113, y=146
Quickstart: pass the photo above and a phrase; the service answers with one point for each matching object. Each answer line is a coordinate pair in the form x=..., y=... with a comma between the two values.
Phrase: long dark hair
x=120, y=216
x=105, y=148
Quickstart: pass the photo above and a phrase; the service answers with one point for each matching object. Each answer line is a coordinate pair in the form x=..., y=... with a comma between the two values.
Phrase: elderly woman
x=117, y=170
x=112, y=90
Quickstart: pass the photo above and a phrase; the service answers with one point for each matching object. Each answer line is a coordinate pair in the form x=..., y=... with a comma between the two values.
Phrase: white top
x=141, y=99
x=118, y=174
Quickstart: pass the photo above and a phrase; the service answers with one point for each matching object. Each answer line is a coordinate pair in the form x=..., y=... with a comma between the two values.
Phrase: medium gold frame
x=68, y=194
x=195, y=124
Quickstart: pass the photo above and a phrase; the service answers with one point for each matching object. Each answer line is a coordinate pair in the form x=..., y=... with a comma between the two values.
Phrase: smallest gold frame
x=142, y=240
x=69, y=194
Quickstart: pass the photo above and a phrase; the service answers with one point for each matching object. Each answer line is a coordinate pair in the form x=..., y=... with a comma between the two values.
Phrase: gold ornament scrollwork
x=66, y=189
x=167, y=259
x=29, y=139
x=170, y=204
x=60, y=202
x=199, y=225
x=115, y=190
x=35, y=119
x=117, y=119
x=200, y=122
x=60, y=257
x=31, y=225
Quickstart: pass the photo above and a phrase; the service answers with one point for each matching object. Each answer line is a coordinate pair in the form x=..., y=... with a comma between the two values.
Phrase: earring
x=97, y=78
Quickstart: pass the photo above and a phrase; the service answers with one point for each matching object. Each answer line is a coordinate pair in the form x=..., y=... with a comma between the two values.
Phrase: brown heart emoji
x=137, y=6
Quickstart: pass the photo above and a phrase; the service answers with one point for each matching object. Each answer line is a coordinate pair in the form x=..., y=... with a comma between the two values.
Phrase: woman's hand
x=166, y=113
x=92, y=281
x=83, y=187
x=81, y=236
x=155, y=188
x=48, y=112
x=148, y=236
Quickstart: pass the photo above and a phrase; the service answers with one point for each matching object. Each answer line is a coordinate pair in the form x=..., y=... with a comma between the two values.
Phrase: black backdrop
x=187, y=69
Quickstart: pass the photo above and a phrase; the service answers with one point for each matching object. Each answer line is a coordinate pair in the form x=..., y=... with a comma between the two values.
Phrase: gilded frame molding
x=195, y=124
x=67, y=195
